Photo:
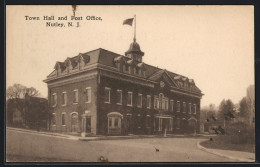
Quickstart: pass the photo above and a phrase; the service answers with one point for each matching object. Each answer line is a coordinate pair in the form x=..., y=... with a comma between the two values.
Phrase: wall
x=80, y=108
x=141, y=121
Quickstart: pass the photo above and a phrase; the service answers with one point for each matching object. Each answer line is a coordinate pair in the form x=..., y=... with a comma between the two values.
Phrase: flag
x=128, y=21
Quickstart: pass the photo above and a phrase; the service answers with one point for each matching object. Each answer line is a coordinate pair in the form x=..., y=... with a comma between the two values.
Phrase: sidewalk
x=234, y=155
x=71, y=137
x=92, y=138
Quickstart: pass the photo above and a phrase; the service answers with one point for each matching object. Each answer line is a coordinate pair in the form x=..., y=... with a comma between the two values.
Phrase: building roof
x=109, y=59
x=134, y=48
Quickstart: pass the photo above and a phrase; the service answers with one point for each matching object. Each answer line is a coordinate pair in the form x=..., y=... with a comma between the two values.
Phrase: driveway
x=28, y=147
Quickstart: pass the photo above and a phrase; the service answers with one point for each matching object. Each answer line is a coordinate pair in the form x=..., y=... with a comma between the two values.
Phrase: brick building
x=101, y=92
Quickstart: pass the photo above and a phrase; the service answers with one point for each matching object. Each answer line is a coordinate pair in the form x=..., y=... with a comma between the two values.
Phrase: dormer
x=81, y=62
x=141, y=69
x=68, y=65
x=58, y=67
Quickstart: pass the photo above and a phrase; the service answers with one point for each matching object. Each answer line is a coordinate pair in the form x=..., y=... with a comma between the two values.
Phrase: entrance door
x=164, y=124
x=88, y=124
x=74, y=122
x=129, y=126
x=193, y=124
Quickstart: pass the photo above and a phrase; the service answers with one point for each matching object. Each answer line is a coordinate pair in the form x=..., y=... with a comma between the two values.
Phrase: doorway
x=74, y=122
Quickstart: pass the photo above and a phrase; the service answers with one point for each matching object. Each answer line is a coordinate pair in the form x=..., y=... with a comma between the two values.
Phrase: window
x=110, y=122
x=171, y=105
x=63, y=119
x=119, y=97
x=139, y=100
x=64, y=98
x=183, y=107
x=139, y=71
x=116, y=122
x=88, y=95
x=178, y=123
x=107, y=95
x=156, y=102
x=178, y=106
x=129, y=99
x=194, y=108
x=135, y=70
x=76, y=96
x=189, y=108
x=118, y=65
x=54, y=100
x=166, y=105
x=126, y=68
x=53, y=119
x=148, y=101
x=162, y=104
x=160, y=100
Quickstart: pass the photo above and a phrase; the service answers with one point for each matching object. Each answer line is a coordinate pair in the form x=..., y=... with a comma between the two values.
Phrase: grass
x=216, y=144
x=239, y=137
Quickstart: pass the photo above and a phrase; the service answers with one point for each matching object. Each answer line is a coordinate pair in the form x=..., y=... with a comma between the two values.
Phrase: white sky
x=214, y=45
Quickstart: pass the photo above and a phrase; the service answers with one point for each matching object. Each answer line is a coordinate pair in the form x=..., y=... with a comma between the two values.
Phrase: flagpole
x=135, y=29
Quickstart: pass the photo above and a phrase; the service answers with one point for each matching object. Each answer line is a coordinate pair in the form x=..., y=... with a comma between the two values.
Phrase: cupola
x=134, y=52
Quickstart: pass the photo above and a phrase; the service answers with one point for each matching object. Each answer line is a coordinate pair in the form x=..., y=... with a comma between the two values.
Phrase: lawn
x=228, y=146
x=237, y=137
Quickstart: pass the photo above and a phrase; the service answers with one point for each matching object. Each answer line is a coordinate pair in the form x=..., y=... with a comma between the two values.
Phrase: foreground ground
x=31, y=147
x=227, y=146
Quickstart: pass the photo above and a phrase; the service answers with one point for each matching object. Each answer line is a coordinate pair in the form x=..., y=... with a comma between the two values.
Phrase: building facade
x=101, y=92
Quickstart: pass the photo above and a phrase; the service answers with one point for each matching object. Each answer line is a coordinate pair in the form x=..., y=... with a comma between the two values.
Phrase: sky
x=214, y=45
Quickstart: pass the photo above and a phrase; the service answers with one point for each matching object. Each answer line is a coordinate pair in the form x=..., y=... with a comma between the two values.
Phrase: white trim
x=74, y=113
x=172, y=105
x=88, y=93
x=55, y=119
x=121, y=96
x=150, y=101
x=63, y=113
x=56, y=99
x=141, y=105
x=115, y=113
x=156, y=102
x=130, y=105
x=193, y=119
x=178, y=109
x=65, y=100
x=195, y=108
x=109, y=89
x=184, y=111
x=190, y=108
x=176, y=123
x=166, y=102
x=186, y=94
x=76, y=90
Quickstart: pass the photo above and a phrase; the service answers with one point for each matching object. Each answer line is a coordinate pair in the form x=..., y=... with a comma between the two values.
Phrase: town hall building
x=105, y=93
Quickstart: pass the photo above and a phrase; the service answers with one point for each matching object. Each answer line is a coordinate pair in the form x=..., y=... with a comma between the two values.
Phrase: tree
x=243, y=108
x=18, y=91
x=226, y=111
x=32, y=92
x=251, y=102
x=15, y=91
